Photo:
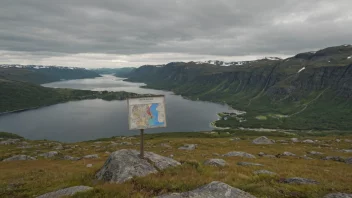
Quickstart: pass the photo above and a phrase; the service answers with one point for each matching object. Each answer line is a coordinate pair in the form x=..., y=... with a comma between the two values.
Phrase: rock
x=347, y=150
x=67, y=157
x=338, y=195
x=92, y=156
x=188, y=147
x=248, y=164
x=299, y=180
x=264, y=172
x=314, y=153
x=262, y=140
x=269, y=156
x=66, y=192
x=308, y=141
x=59, y=147
x=171, y=156
x=19, y=157
x=334, y=158
x=288, y=154
x=126, y=143
x=348, y=160
x=9, y=141
x=215, y=162
x=49, y=154
x=235, y=139
x=282, y=141
x=306, y=157
x=213, y=190
x=89, y=165
x=348, y=141
x=238, y=154
x=165, y=145
x=262, y=154
x=124, y=164
x=294, y=140
x=338, y=140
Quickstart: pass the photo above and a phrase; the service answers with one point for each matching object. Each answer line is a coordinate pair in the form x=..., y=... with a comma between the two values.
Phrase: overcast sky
x=116, y=33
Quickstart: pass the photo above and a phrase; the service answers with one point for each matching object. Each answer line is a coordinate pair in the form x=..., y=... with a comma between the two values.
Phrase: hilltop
x=321, y=158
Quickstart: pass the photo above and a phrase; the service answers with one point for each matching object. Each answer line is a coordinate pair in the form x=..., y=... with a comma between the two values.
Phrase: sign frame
x=145, y=97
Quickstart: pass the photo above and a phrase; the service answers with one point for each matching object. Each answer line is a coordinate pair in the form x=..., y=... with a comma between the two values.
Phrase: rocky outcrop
x=215, y=162
x=66, y=192
x=19, y=157
x=334, y=158
x=9, y=141
x=263, y=140
x=49, y=154
x=238, y=154
x=125, y=164
x=299, y=180
x=213, y=190
x=348, y=160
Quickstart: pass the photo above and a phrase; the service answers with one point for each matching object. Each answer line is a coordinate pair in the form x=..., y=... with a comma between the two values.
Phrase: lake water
x=92, y=119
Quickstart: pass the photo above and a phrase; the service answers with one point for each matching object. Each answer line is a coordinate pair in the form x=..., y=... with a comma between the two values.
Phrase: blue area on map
x=154, y=120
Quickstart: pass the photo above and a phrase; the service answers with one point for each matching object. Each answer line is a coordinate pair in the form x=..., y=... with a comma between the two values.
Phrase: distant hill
x=312, y=90
x=17, y=95
x=43, y=74
x=119, y=72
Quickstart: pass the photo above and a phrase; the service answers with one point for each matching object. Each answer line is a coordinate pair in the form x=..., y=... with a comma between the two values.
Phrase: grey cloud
x=195, y=27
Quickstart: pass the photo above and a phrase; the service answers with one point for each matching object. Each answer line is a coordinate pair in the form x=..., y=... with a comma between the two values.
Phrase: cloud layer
x=104, y=33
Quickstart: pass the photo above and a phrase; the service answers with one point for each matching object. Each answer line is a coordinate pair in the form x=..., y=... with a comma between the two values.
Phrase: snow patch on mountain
x=303, y=68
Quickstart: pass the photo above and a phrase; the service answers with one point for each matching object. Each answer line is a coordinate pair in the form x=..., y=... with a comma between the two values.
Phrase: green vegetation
x=6, y=135
x=288, y=96
x=17, y=95
x=33, y=178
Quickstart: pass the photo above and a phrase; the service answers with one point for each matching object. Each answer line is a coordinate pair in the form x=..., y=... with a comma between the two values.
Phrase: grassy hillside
x=20, y=178
x=16, y=95
x=307, y=91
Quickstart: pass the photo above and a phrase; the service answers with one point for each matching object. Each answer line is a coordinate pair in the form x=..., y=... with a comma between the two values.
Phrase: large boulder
x=66, y=192
x=263, y=140
x=215, y=162
x=125, y=164
x=19, y=157
x=213, y=190
x=338, y=195
x=238, y=154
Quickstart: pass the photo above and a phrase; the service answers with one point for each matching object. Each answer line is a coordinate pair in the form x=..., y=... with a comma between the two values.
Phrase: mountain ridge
x=285, y=91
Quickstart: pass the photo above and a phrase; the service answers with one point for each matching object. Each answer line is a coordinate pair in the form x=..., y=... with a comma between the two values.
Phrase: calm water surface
x=92, y=119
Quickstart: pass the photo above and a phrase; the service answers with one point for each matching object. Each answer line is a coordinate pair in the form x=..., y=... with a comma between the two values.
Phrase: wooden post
x=141, y=155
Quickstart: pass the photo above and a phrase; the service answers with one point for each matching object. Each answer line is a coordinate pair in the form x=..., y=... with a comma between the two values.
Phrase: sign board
x=146, y=113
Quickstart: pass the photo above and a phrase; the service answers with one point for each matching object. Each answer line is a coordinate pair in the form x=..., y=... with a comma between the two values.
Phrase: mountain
x=312, y=90
x=17, y=95
x=39, y=74
x=119, y=72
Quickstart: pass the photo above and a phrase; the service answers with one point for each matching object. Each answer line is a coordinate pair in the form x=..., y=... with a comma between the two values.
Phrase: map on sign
x=148, y=112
